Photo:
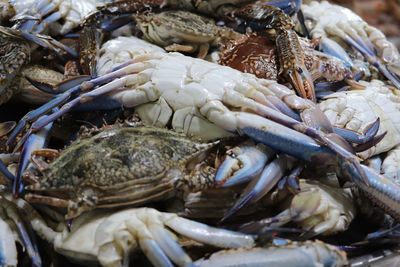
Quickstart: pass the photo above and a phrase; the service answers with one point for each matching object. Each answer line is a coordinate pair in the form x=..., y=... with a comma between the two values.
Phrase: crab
x=52, y=17
x=16, y=48
x=149, y=81
x=183, y=31
x=317, y=207
x=356, y=109
x=138, y=165
x=329, y=21
x=260, y=16
x=256, y=54
x=111, y=236
x=26, y=92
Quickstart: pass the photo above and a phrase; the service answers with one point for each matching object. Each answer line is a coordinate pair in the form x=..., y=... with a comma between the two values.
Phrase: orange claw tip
x=303, y=84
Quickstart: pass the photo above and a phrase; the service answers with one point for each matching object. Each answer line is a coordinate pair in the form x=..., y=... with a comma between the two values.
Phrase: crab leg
x=9, y=210
x=373, y=59
x=48, y=42
x=216, y=237
x=292, y=63
x=309, y=253
x=169, y=245
x=8, y=249
x=333, y=48
x=149, y=244
x=382, y=191
x=85, y=86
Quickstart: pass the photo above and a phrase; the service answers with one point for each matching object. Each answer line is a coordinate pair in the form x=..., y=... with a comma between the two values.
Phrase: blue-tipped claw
x=360, y=138
x=370, y=143
x=34, y=142
x=249, y=157
x=292, y=180
x=260, y=186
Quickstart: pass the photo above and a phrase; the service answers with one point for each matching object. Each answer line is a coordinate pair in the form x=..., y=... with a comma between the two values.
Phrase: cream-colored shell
x=356, y=109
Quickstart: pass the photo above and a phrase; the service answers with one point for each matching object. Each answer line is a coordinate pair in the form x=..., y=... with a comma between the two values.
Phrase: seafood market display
x=196, y=133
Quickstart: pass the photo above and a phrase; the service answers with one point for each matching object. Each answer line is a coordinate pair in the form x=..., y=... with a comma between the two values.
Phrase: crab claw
x=34, y=142
x=242, y=164
x=260, y=186
x=291, y=58
x=301, y=80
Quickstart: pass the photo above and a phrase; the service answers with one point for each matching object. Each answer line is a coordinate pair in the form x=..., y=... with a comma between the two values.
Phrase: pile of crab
x=202, y=133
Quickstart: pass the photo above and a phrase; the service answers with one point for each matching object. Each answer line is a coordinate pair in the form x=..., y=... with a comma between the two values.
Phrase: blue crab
x=213, y=97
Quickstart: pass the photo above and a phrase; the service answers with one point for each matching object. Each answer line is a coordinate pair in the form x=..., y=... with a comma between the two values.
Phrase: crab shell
x=15, y=52
x=252, y=53
x=256, y=54
x=120, y=166
x=179, y=30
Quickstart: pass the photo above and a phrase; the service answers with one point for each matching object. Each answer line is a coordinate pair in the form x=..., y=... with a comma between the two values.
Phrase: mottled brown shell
x=119, y=155
x=253, y=54
x=121, y=166
x=15, y=52
x=175, y=26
